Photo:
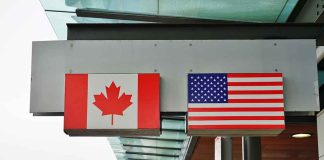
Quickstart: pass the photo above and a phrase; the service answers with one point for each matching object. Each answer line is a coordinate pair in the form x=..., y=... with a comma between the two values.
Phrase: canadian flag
x=98, y=104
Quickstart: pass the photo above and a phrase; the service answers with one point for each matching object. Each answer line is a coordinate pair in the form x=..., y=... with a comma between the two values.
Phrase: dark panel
x=321, y=94
x=194, y=31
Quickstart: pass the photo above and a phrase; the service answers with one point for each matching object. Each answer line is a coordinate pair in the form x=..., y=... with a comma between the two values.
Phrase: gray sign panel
x=174, y=59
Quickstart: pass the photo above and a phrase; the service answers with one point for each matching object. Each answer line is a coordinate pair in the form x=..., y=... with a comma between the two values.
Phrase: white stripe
x=263, y=79
x=240, y=88
x=237, y=122
x=255, y=96
x=233, y=105
x=236, y=113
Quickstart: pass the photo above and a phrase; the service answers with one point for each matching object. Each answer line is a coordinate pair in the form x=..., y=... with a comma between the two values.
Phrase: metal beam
x=299, y=6
x=152, y=154
x=155, y=31
x=154, y=147
x=107, y=14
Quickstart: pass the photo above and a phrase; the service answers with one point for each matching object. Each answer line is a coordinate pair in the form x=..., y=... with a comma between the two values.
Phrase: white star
x=217, y=88
x=198, y=100
x=195, y=91
x=195, y=80
x=195, y=85
x=224, y=77
x=217, y=77
x=192, y=89
x=208, y=85
x=198, y=89
x=221, y=80
x=198, y=77
x=211, y=77
x=204, y=88
x=198, y=94
x=204, y=77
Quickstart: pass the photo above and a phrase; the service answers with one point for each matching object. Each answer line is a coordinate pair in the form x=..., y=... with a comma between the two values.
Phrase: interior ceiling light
x=301, y=135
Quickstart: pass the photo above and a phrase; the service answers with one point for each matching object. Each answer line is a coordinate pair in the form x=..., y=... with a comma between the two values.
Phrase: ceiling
x=282, y=147
x=61, y=12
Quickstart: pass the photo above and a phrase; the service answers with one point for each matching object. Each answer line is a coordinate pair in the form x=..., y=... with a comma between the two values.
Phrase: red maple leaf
x=112, y=104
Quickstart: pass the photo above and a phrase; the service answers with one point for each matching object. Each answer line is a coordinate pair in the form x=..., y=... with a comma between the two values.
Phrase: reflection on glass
x=167, y=146
x=237, y=10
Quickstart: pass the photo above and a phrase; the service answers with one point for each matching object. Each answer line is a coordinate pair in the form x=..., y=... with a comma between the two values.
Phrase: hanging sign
x=235, y=104
x=112, y=104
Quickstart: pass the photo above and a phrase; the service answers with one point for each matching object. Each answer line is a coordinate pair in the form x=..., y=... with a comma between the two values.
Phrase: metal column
x=251, y=148
x=227, y=148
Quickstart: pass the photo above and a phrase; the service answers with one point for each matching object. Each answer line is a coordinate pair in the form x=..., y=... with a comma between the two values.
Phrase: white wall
x=23, y=136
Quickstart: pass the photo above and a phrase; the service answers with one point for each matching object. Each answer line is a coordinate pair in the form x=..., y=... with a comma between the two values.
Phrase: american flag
x=235, y=101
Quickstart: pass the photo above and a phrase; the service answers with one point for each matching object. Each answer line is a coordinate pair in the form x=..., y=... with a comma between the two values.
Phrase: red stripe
x=243, y=75
x=257, y=92
x=254, y=84
x=76, y=101
x=254, y=109
x=208, y=118
x=149, y=101
x=236, y=126
x=255, y=100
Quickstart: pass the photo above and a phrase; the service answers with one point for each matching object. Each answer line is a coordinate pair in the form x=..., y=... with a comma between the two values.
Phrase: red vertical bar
x=149, y=101
x=76, y=99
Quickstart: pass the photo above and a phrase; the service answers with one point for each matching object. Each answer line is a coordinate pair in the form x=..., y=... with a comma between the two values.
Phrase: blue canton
x=207, y=88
